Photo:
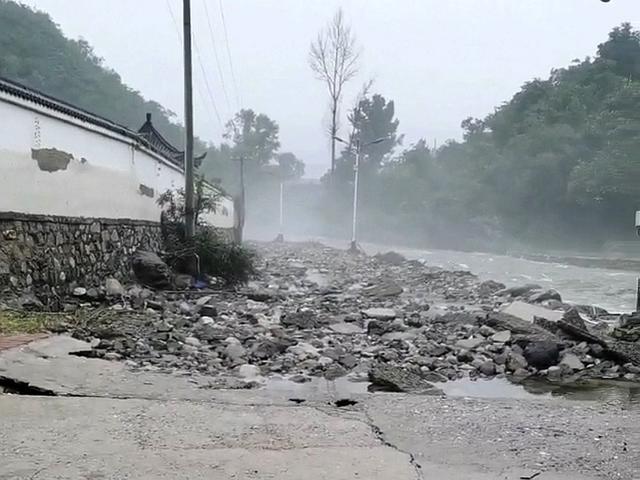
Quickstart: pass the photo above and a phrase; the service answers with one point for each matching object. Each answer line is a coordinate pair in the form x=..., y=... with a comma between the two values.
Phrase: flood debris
x=437, y=326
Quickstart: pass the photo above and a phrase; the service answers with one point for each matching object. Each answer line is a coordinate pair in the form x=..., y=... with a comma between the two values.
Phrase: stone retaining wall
x=40, y=252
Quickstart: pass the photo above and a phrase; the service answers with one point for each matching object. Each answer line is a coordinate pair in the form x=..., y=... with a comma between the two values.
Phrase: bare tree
x=333, y=57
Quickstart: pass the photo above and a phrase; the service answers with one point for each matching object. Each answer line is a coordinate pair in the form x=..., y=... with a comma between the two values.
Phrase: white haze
x=440, y=60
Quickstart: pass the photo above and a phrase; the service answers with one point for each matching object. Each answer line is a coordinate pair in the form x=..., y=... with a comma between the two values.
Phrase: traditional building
x=79, y=192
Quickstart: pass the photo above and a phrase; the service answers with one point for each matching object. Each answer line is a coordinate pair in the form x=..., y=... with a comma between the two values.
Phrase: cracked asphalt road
x=108, y=423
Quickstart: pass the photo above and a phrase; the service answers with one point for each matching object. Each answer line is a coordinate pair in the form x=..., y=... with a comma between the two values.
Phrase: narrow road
x=104, y=422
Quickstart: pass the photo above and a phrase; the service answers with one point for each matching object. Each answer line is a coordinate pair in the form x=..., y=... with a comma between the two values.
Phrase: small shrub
x=217, y=256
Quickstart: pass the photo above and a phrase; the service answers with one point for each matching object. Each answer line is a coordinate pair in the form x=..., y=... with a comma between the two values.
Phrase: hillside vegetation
x=35, y=52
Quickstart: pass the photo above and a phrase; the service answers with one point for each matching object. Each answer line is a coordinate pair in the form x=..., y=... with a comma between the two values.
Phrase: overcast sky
x=440, y=60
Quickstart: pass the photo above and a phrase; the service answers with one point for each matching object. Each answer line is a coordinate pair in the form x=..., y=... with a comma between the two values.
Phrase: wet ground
x=624, y=394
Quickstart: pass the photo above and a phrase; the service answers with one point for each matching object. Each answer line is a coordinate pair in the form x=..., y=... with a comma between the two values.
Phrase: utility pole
x=189, y=214
x=354, y=226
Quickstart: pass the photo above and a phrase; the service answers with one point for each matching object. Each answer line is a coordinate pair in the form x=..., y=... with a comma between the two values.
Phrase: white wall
x=102, y=180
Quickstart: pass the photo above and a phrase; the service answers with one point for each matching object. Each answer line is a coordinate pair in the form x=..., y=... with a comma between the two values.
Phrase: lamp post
x=353, y=248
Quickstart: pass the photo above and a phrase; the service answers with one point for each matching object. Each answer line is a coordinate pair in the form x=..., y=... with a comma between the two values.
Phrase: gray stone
x=572, y=361
x=486, y=331
x=303, y=319
x=398, y=379
x=519, y=291
x=516, y=362
x=235, y=352
x=79, y=291
x=182, y=281
x=470, y=343
x=350, y=361
x=113, y=287
x=542, y=354
x=527, y=312
x=151, y=270
x=387, y=288
x=502, y=337
x=248, y=371
x=208, y=311
x=346, y=328
x=380, y=313
x=487, y=368
x=192, y=341
x=538, y=297
x=391, y=258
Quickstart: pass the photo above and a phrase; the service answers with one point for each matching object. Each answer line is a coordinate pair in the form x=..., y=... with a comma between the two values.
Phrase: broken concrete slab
x=526, y=311
x=113, y=439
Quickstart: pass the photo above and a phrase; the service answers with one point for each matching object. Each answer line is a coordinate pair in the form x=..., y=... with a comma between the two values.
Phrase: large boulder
x=542, y=354
x=150, y=269
x=397, y=379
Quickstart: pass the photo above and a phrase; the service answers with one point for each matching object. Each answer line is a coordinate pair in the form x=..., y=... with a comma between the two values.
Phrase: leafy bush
x=208, y=252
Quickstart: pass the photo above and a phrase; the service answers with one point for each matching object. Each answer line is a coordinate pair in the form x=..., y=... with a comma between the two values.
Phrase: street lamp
x=356, y=167
x=277, y=171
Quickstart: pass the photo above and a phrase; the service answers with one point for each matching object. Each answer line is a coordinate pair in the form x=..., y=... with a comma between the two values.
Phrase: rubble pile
x=318, y=312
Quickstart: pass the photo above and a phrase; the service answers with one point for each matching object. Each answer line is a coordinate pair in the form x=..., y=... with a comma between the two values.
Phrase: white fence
x=54, y=163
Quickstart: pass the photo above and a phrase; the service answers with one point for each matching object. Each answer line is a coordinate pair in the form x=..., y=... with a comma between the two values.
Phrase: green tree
x=35, y=53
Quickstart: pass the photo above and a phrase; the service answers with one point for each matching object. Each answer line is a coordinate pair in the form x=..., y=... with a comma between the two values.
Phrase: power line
x=204, y=73
x=206, y=83
x=215, y=53
x=226, y=39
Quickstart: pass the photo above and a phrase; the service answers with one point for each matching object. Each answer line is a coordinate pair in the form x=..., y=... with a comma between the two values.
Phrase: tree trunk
x=334, y=108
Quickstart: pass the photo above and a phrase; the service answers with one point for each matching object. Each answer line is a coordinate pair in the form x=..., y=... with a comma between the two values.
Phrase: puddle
x=494, y=388
x=341, y=387
x=603, y=391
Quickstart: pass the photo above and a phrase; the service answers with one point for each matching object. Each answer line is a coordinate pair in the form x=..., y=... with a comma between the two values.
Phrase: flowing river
x=613, y=290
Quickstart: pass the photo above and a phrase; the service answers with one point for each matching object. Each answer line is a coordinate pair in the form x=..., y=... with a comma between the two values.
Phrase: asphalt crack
x=377, y=431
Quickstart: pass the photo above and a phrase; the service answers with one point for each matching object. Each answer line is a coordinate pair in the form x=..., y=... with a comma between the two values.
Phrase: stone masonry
x=39, y=253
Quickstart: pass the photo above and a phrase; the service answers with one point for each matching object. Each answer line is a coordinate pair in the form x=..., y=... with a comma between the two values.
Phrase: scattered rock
x=490, y=287
x=397, y=379
x=538, y=297
x=150, y=270
x=518, y=291
x=516, y=362
x=387, y=288
x=542, y=354
x=572, y=361
x=502, y=337
x=300, y=319
x=182, y=282
x=487, y=368
x=248, y=371
x=114, y=288
x=470, y=343
x=380, y=313
x=527, y=312
x=391, y=258
x=79, y=292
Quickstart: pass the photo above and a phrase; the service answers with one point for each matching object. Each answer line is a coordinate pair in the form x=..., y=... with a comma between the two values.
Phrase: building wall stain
x=51, y=159
x=147, y=191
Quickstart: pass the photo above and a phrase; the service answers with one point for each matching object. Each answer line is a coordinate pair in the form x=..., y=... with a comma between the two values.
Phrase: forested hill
x=562, y=157
x=34, y=52
x=556, y=166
